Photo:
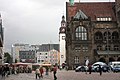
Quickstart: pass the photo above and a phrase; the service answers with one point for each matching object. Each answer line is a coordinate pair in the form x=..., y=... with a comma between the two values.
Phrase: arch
x=98, y=36
x=111, y=59
x=80, y=33
x=115, y=37
x=102, y=59
x=118, y=59
x=107, y=35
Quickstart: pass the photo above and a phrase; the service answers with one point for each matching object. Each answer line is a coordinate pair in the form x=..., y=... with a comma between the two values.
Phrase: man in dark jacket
x=7, y=70
x=100, y=70
x=54, y=72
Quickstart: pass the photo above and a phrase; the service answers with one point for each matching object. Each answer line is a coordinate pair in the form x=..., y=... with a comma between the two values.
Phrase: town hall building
x=92, y=32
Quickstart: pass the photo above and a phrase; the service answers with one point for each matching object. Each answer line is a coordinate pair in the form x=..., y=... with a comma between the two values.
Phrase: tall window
x=99, y=47
x=116, y=47
x=107, y=47
x=76, y=60
x=81, y=33
x=85, y=48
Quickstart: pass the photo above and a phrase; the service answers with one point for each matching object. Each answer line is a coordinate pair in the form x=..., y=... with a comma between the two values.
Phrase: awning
x=108, y=52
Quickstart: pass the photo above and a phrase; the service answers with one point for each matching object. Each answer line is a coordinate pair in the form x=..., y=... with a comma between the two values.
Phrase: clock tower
x=62, y=41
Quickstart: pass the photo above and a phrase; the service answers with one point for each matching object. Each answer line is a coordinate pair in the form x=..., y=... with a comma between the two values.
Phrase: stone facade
x=118, y=11
x=92, y=33
x=1, y=43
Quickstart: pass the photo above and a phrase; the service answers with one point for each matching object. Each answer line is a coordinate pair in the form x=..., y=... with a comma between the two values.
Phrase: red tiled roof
x=92, y=9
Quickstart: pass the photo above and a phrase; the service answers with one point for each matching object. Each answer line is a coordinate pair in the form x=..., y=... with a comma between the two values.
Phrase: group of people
x=6, y=70
x=39, y=72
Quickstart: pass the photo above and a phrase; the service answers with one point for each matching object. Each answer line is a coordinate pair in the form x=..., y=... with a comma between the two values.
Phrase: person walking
x=90, y=69
x=86, y=65
x=7, y=70
x=100, y=70
x=47, y=69
x=41, y=72
x=54, y=72
x=3, y=71
x=86, y=69
x=37, y=73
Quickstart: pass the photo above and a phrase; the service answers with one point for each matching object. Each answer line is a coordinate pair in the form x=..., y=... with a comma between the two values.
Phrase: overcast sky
x=32, y=21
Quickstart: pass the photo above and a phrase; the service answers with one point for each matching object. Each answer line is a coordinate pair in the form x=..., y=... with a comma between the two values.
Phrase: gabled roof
x=92, y=10
x=80, y=15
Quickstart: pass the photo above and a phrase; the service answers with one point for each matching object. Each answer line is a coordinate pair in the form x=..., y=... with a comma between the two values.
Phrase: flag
x=71, y=2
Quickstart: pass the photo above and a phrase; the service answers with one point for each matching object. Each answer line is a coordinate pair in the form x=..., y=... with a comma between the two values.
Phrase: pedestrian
x=37, y=73
x=54, y=72
x=41, y=72
x=3, y=71
x=86, y=69
x=90, y=69
x=47, y=69
x=7, y=70
x=100, y=70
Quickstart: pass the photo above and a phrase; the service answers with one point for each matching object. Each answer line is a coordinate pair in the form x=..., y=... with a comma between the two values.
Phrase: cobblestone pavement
x=66, y=75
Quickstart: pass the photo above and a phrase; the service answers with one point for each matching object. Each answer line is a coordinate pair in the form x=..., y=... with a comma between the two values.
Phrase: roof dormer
x=80, y=15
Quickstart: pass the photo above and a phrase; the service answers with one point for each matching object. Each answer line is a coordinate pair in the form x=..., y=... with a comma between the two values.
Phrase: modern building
x=45, y=51
x=47, y=47
x=43, y=57
x=54, y=57
x=1, y=42
x=18, y=49
x=92, y=32
x=62, y=41
x=27, y=56
x=33, y=53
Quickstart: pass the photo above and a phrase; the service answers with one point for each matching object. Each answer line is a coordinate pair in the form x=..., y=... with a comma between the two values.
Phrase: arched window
x=115, y=37
x=98, y=36
x=107, y=36
x=81, y=33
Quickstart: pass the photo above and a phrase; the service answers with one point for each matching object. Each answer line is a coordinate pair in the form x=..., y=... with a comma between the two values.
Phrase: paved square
x=66, y=75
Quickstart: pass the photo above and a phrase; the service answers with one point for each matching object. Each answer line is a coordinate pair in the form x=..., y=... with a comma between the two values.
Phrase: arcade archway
x=111, y=59
x=102, y=59
x=118, y=59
